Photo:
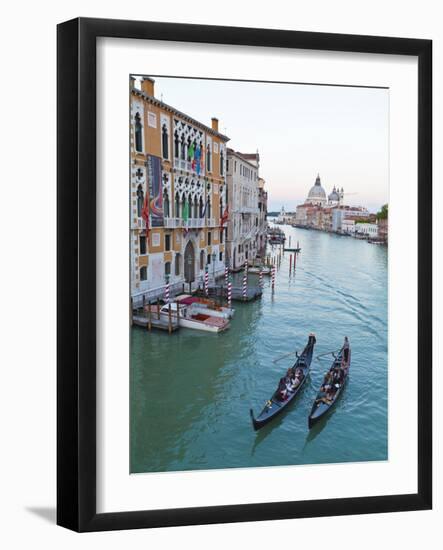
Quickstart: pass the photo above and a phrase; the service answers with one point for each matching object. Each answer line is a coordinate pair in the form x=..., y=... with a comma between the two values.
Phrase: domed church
x=316, y=195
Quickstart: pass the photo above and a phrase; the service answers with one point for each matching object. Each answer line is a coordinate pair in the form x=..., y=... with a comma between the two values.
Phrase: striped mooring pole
x=229, y=294
x=273, y=278
x=260, y=277
x=226, y=275
x=206, y=281
x=167, y=290
x=245, y=282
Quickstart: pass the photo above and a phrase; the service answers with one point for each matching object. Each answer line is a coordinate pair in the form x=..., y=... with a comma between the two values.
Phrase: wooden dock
x=149, y=317
x=219, y=291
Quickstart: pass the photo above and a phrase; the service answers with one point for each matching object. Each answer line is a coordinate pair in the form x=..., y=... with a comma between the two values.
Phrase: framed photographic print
x=244, y=274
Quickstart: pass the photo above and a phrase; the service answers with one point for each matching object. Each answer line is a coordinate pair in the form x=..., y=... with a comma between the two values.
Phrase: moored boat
x=278, y=402
x=206, y=306
x=332, y=385
x=292, y=249
x=255, y=269
x=195, y=320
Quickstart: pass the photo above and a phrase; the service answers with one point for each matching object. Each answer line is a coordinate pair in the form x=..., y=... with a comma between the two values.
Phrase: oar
x=283, y=356
x=327, y=353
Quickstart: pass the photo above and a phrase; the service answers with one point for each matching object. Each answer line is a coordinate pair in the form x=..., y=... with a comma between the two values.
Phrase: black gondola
x=330, y=390
x=276, y=405
x=292, y=249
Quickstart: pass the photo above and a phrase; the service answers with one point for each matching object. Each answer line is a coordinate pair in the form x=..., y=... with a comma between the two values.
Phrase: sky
x=341, y=133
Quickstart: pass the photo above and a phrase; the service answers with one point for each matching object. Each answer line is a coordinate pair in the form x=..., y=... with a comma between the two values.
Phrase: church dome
x=317, y=194
x=334, y=196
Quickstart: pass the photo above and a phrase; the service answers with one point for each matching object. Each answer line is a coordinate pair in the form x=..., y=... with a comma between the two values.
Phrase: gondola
x=291, y=249
x=275, y=405
x=322, y=405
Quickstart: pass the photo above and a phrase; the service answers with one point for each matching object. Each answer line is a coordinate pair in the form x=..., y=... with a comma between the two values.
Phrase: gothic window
x=208, y=158
x=208, y=210
x=195, y=208
x=165, y=142
x=143, y=273
x=140, y=200
x=200, y=207
x=138, y=133
x=176, y=145
x=177, y=206
x=183, y=148
x=209, y=238
x=166, y=204
x=189, y=206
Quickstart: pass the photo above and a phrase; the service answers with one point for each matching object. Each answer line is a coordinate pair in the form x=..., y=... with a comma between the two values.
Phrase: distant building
x=369, y=230
x=326, y=213
x=247, y=205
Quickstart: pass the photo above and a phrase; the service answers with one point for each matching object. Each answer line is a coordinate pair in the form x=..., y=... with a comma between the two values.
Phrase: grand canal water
x=191, y=392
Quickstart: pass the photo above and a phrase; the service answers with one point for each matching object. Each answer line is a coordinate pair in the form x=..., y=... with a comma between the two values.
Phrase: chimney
x=148, y=86
x=214, y=125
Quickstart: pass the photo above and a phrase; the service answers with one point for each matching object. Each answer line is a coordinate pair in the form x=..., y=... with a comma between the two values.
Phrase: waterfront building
x=262, y=216
x=341, y=213
x=247, y=205
x=327, y=213
x=367, y=229
x=178, y=196
x=383, y=230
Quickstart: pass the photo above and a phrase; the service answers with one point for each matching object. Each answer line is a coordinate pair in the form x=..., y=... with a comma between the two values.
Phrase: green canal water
x=191, y=392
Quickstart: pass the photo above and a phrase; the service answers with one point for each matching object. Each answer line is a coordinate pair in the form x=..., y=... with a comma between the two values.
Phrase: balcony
x=190, y=223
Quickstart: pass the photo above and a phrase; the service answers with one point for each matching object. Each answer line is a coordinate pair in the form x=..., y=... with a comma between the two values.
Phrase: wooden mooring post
x=169, y=319
x=149, y=317
x=158, y=308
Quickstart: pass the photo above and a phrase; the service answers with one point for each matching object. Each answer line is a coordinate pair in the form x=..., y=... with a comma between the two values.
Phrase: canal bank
x=191, y=391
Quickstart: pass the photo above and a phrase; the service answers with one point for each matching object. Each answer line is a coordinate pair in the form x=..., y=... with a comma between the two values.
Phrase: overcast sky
x=299, y=130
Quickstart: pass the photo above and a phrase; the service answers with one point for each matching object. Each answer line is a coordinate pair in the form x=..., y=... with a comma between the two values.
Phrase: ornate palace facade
x=178, y=196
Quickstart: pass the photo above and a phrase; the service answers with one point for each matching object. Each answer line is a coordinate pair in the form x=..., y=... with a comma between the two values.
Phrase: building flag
x=224, y=218
x=154, y=178
x=145, y=212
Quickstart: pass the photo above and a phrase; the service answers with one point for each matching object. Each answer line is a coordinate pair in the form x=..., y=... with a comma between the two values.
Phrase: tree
x=383, y=213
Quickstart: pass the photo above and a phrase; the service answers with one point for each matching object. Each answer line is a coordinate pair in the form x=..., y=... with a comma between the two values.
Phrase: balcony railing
x=190, y=223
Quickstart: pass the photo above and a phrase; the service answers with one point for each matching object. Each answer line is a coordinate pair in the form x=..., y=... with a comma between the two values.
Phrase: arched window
x=195, y=208
x=222, y=163
x=208, y=158
x=200, y=207
x=183, y=148
x=189, y=149
x=176, y=145
x=165, y=137
x=177, y=264
x=177, y=206
x=140, y=200
x=143, y=273
x=221, y=208
x=202, y=259
x=138, y=133
x=166, y=204
x=167, y=268
x=208, y=210
x=189, y=206
x=183, y=205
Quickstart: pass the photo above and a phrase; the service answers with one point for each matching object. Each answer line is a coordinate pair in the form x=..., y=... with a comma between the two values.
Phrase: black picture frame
x=76, y=279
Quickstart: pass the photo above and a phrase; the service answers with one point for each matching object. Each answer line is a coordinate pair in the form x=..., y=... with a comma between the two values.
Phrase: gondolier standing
x=346, y=351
